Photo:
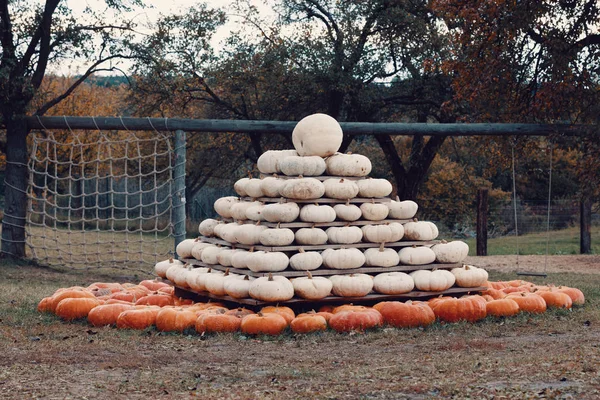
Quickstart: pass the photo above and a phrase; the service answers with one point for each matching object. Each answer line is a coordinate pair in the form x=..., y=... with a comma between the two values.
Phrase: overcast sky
x=149, y=14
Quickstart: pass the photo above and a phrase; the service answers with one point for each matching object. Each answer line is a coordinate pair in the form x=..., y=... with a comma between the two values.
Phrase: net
x=100, y=199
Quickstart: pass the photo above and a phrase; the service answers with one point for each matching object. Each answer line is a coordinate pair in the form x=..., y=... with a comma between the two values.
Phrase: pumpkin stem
x=409, y=302
x=415, y=220
x=309, y=274
x=300, y=176
x=397, y=198
x=226, y=272
x=301, y=250
x=270, y=276
x=347, y=202
x=381, y=246
x=249, y=173
x=260, y=314
x=252, y=249
x=246, y=278
x=171, y=260
x=257, y=223
x=278, y=225
x=443, y=241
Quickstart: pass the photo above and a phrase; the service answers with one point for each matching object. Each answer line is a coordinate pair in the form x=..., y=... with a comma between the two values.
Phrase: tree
x=528, y=61
x=33, y=37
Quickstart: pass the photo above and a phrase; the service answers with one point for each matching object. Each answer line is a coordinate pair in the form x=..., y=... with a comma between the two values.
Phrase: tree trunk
x=16, y=180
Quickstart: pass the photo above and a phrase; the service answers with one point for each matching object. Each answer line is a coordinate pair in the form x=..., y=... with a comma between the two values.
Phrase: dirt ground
x=556, y=355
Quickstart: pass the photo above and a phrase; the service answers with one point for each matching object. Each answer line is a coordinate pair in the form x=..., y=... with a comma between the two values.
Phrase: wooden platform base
x=303, y=304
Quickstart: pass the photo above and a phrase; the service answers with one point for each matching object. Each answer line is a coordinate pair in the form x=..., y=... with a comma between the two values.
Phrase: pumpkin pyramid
x=315, y=226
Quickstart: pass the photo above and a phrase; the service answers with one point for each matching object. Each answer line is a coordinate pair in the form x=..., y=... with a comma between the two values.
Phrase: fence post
x=482, y=217
x=178, y=189
x=585, y=226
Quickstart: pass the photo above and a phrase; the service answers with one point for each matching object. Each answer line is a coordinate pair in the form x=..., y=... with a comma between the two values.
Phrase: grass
x=564, y=241
x=554, y=355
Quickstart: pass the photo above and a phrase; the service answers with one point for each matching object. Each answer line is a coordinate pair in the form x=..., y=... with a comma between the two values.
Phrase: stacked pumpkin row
x=91, y=303
x=335, y=259
x=279, y=288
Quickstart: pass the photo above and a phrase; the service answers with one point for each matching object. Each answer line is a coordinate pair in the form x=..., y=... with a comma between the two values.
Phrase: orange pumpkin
x=154, y=285
x=269, y=324
x=327, y=308
x=307, y=323
x=468, y=308
x=513, y=289
x=348, y=307
x=286, y=312
x=502, y=308
x=324, y=314
x=160, y=300
x=411, y=314
x=175, y=319
x=107, y=314
x=556, y=299
x=140, y=317
x=75, y=307
x=529, y=302
x=576, y=295
x=209, y=323
x=355, y=320
x=68, y=293
x=240, y=312
x=494, y=293
x=44, y=304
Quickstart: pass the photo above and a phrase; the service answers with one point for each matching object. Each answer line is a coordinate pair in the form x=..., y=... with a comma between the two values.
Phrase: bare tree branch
x=44, y=39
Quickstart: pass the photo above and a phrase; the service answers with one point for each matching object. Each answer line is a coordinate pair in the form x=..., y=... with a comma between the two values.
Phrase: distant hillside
x=108, y=81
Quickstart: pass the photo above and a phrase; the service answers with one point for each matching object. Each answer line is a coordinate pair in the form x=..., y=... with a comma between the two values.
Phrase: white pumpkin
x=436, y=280
x=184, y=248
x=178, y=274
x=348, y=165
x=374, y=211
x=209, y=254
x=224, y=257
x=312, y=288
x=200, y=282
x=316, y=213
x=469, y=276
x=374, y=187
x=214, y=283
x=198, y=248
x=406, y=209
x=237, y=286
x=303, y=189
x=207, y=227
x=317, y=135
x=420, y=230
x=240, y=186
x=353, y=285
x=393, y=283
x=420, y=255
x=254, y=212
x=228, y=232
x=223, y=205
x=347, y=212
x=381, y=257
x=450, y=252
x=343, y=258
x=271, y=289
x=311, y=236
x=277, y=236
x=239, y=258
x=340, y=188
x=344, y=234
x=239, y=210
x=193, y=275
x=271, y=186
x=268, y=162
x=267, y=261
x=306, y=260
x=281, y=212
x=307, y=166
x=249, y=234
x=217, y=231
x=253, y=188
x=161, y=267
x=383, y=233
